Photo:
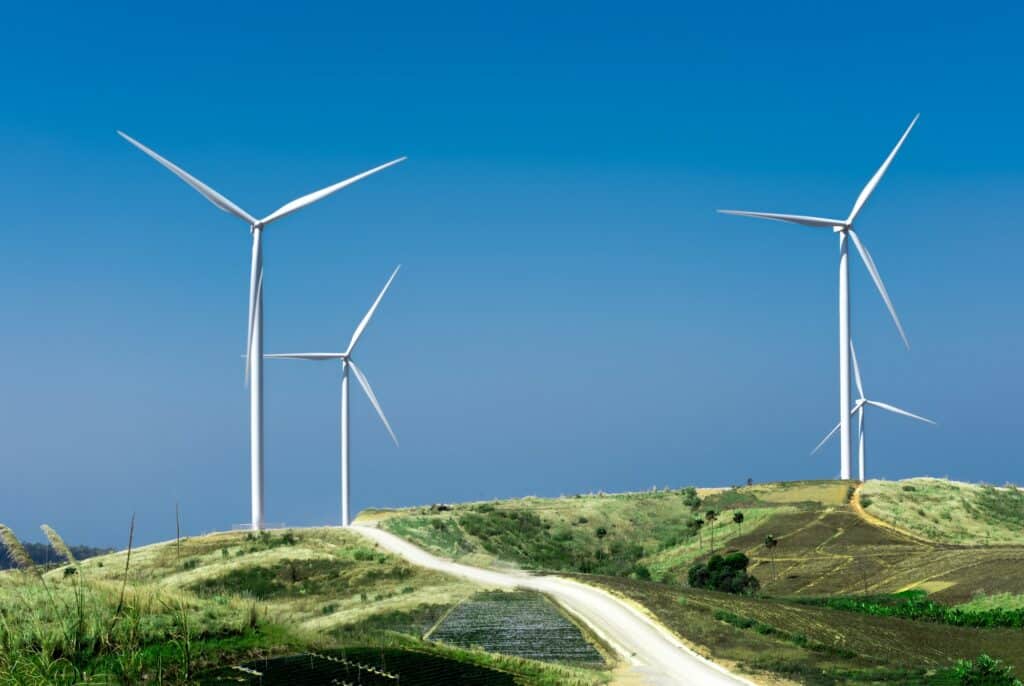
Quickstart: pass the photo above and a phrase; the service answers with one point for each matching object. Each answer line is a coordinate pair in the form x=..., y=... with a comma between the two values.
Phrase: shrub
x=728, y=574
x=601, y=532
x=690, y=498
x=985, y=671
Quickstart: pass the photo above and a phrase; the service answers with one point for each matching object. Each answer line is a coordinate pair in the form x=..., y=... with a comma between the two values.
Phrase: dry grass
x=950, y=512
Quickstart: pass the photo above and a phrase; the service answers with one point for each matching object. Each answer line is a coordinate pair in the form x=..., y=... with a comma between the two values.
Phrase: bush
x=690, y=498
x=728, y=574
x=985, y=671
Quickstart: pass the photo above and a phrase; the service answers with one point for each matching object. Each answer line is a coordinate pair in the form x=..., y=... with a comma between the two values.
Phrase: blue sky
x=572, y=315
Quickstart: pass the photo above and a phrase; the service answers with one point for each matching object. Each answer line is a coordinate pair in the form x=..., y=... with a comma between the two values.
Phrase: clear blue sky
x=572, y=315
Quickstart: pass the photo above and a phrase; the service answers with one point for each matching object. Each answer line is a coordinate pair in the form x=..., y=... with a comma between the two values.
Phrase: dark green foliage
x=291, y=577
x=42, y=553
x=865, y=501
x=732, y=499
x=364, y=666
x=728, y=574
x=985, y=671
x=769, y=630
x=1002, y=504
x=523, y=537
x=690, y=498
x=915, y=605
x=265, y=540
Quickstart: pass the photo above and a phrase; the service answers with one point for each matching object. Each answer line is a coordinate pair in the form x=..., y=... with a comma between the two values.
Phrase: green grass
x=222, y=599
x=1000, y=601
x=816, y=644
x=950, y=512
x=825, y=550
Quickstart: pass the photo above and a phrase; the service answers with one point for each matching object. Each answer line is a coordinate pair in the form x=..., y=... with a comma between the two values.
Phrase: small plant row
x=915, y=606
x=768, y=630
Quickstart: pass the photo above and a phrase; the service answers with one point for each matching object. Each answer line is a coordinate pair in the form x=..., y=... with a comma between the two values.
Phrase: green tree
x=696, y=525
x=711, y=516
x=727, y=574
x=770, y=542
x=738, y=518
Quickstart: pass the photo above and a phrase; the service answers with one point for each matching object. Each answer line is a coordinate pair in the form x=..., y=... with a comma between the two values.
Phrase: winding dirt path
x=651, y=654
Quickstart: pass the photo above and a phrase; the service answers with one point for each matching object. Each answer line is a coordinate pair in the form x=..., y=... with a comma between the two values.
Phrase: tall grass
x=15, y=550
x=58, y=543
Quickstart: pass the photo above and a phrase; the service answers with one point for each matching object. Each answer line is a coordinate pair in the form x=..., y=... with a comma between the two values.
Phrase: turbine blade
x=306, y=356
x=791, y=218
x=204, y=190
x=891, y=408
x=825, y=440
x=373, y=398
x=311, y=198
x=369, y=315
x=856, y=371
x=870, y=264
x=873, y=182
x=255, y=289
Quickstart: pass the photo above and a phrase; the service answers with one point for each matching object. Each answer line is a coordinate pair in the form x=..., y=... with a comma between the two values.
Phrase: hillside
x=225, y=599
x=836, y=548
x=43, y=553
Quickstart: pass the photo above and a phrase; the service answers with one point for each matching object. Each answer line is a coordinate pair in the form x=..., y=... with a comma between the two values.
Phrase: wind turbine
x=348, y=363
x=254, y=342
x=858, y=409
x=844, y=227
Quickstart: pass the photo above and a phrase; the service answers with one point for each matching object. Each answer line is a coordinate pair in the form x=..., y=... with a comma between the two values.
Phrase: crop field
x=178, y=608
x=815, y=644
x=826, y=549
x=365, y=666
x=824, y=546
x=519, y=623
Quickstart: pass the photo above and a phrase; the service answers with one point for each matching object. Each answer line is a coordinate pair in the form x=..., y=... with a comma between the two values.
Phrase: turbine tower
x=844, y=227
x=348, y=363
x=858, y=409
x=254, y=342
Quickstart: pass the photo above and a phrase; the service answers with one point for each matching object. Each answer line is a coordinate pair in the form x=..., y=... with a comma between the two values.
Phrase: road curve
x=655, y=656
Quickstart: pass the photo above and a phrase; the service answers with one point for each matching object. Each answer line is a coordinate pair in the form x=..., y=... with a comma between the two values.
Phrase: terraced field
x=832, y=541
x=825, y=547
x=814, y=644
x=364, y=666
x=225, y=599
x=520, y=623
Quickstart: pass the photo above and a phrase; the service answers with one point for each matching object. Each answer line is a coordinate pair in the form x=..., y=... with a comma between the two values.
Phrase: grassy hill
x=825, y=611
x=224, y=599
x=891, y=583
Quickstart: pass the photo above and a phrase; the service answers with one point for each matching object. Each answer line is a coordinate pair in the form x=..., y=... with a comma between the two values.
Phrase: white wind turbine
x=254, y=342
x=844, y=227
x=348, y=363
x=858, y=409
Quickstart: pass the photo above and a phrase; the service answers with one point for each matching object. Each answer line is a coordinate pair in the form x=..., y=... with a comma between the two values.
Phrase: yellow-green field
x=223, y=599
x=950, y=512
x=832, y=542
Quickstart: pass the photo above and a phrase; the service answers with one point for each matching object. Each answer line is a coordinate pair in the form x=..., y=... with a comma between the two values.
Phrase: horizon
x=572, y=314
